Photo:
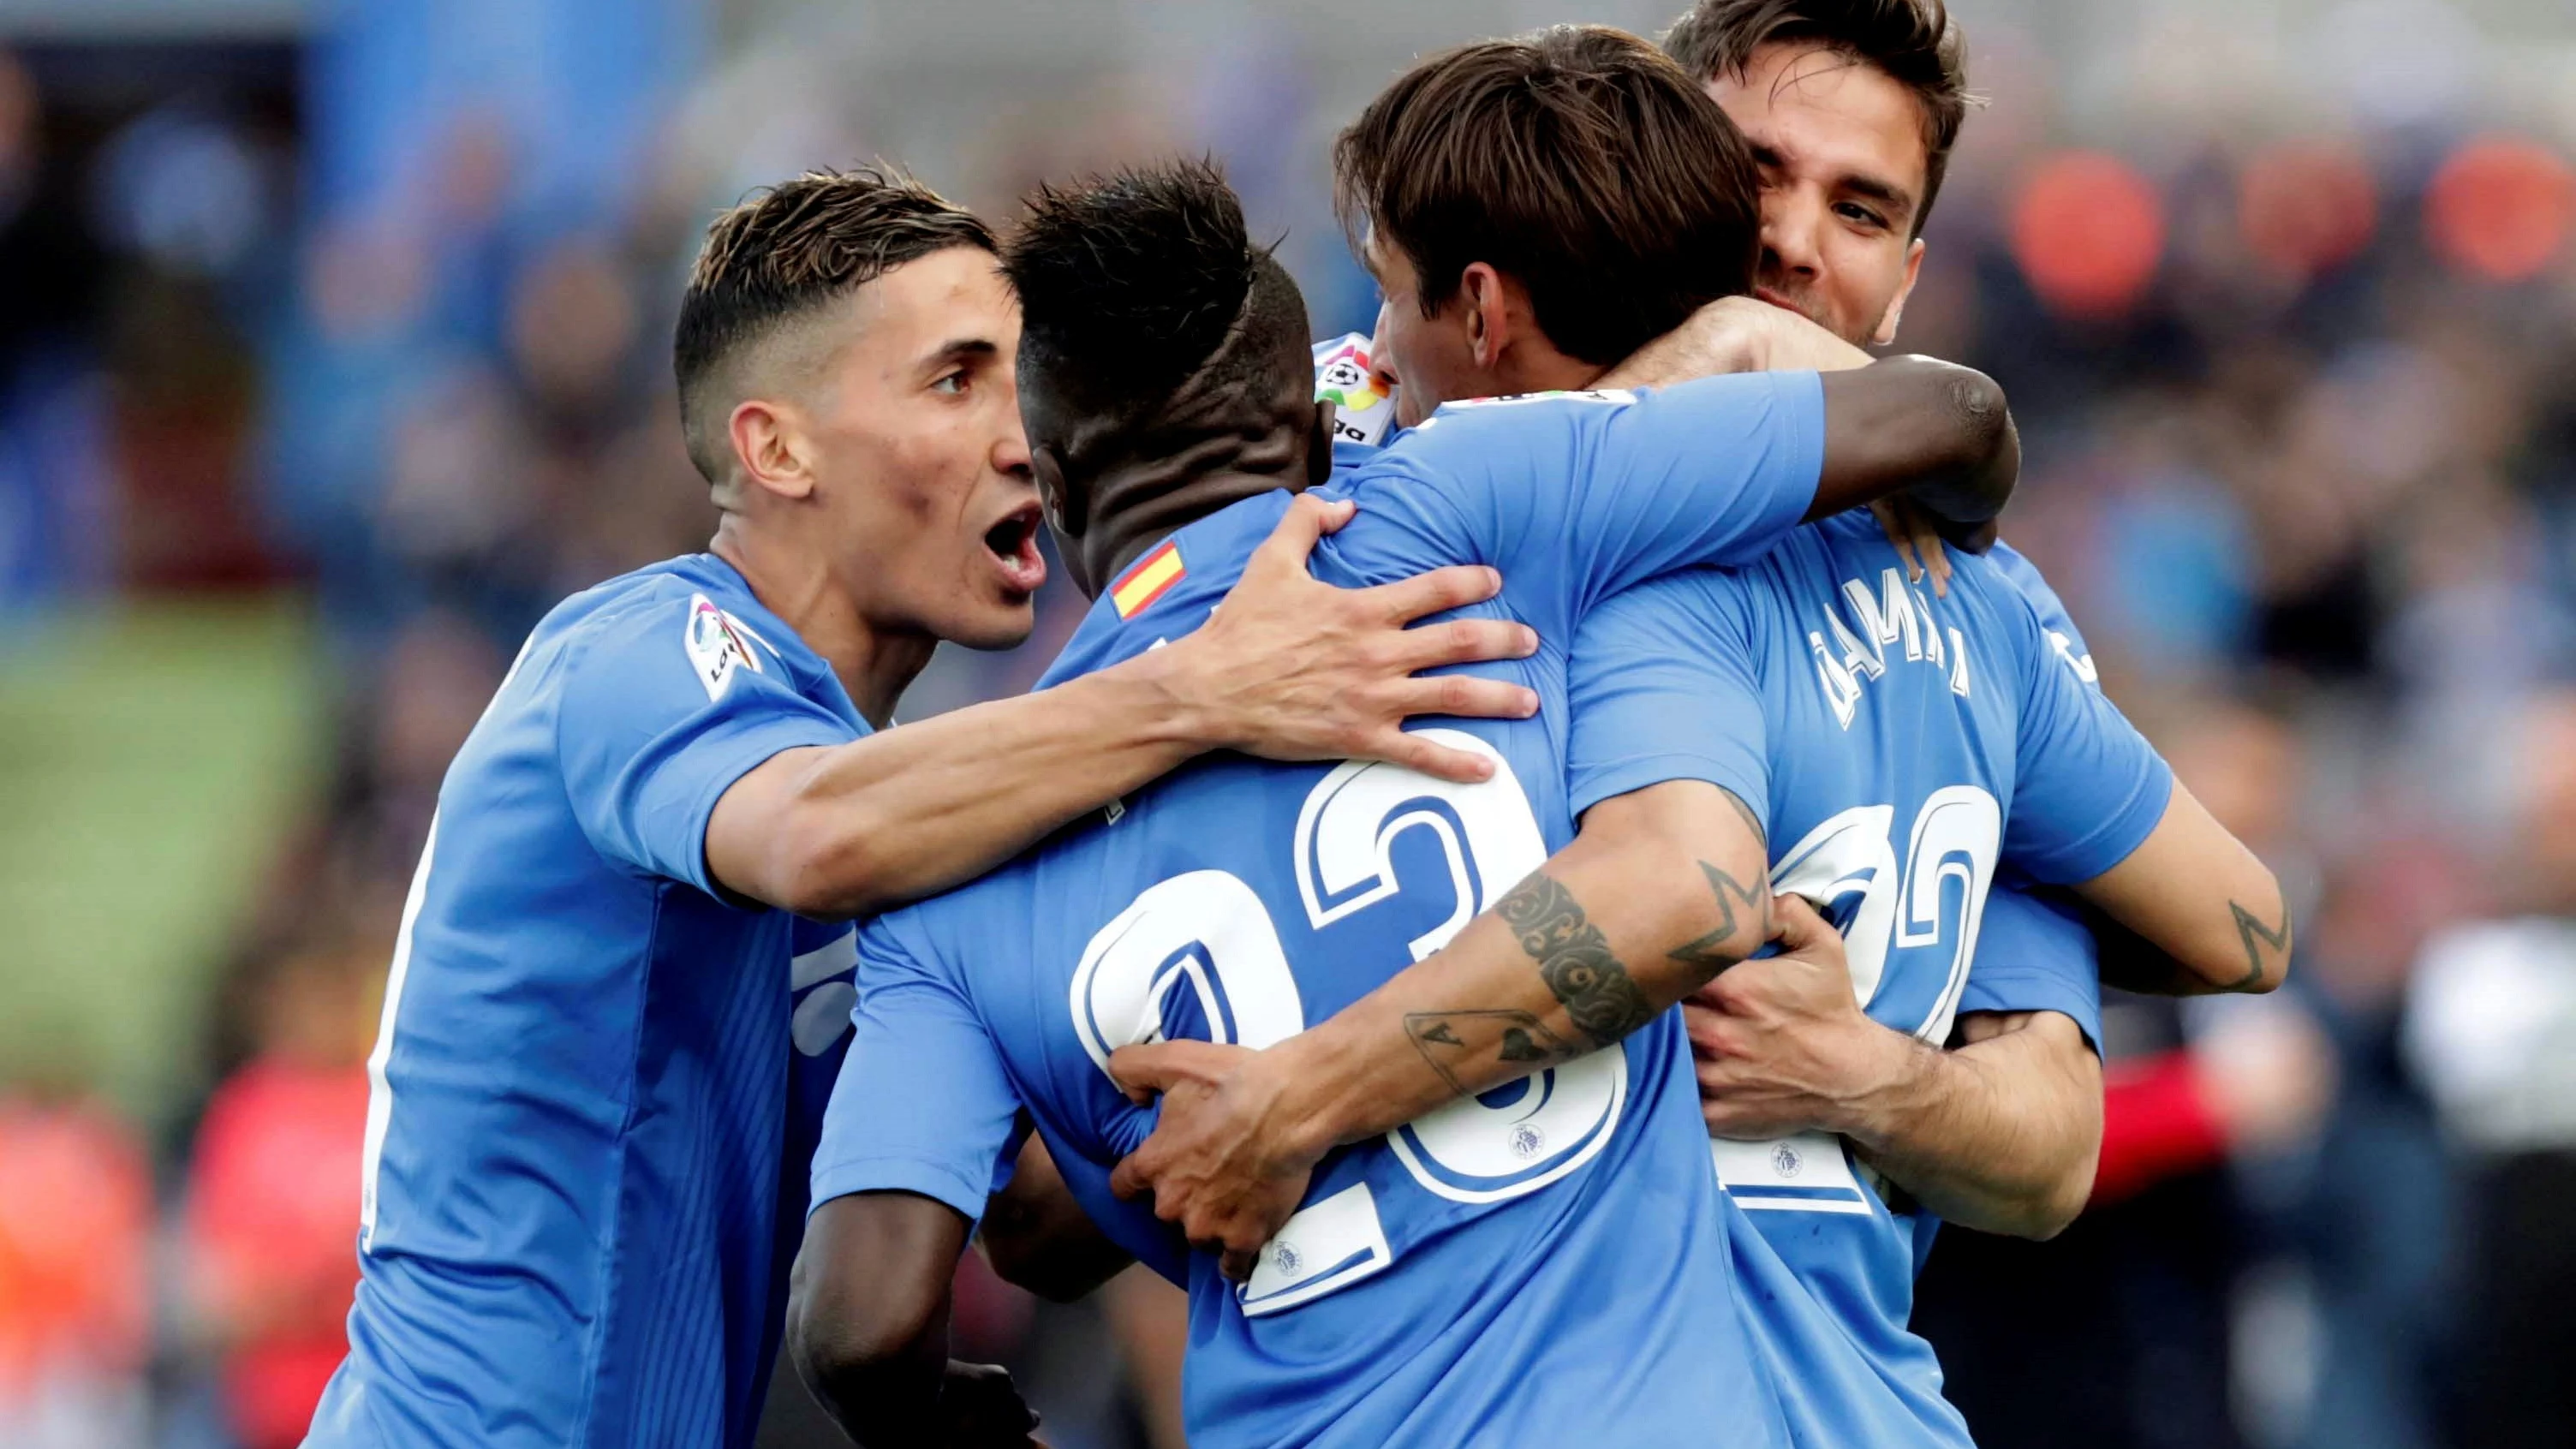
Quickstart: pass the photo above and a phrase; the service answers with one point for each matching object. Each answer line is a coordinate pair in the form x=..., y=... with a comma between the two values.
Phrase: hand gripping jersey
x=575, y=1170
x=1897, y=747
x=1546, y=1264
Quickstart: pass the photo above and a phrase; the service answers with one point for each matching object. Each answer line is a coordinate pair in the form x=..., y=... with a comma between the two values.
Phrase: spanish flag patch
x=1151, y=578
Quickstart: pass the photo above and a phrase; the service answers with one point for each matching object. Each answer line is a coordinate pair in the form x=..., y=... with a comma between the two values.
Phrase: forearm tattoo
x=2251, y=930
x=1720, y=948
x=1447, y=1037
x=1574, y=959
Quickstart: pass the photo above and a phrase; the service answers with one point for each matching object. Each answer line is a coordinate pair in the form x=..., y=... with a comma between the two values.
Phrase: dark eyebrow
x=960, y=349
x=1885, y=194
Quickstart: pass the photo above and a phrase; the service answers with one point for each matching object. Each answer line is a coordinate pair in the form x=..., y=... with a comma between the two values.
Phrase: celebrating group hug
x=1561, y=850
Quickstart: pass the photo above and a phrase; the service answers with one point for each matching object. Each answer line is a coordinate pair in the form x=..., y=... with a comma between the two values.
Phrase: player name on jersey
x=1858, y=651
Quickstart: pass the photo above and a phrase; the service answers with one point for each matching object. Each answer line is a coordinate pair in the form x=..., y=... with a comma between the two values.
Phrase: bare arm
x=1289, y=669
x=2193, y=892
x=867, y=1325
x=1661, y=890
x=1999, y=1135
x=1938, y=433
x=1038, y=1238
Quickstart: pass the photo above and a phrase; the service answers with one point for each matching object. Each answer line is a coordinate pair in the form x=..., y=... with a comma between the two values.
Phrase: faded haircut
x=781, y=255
x=1138, y=282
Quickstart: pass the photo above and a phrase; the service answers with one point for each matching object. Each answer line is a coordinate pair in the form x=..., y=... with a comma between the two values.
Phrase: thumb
x=1308, y=518
x=1795, y=924
x=1143, y=1071
x=1159, y=1066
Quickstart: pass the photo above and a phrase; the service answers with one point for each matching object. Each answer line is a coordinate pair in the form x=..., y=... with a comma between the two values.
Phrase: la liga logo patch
x=716, y=646
x=1363, y=412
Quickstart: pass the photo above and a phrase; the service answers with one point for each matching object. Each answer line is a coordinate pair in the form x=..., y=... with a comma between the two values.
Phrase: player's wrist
x=1307, y=1113
x=1887, y=1077
x=1174, y=700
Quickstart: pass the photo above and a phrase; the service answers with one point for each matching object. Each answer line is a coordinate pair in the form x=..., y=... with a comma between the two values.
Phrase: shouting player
x=574, y=1141
x=1476, y=1279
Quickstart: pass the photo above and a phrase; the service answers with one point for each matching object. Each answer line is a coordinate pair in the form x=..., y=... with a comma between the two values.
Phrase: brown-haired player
x=1850, y=109
x=576, y=1127
x=1525, y=1311
x=1853, y=107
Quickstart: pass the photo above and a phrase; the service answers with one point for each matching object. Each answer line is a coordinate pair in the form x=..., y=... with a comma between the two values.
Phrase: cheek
x=1867, y=272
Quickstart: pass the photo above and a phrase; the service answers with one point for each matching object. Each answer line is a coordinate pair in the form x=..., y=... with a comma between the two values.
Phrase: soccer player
x=1479, y=1279
x=573, y=1154
x=1851, y=108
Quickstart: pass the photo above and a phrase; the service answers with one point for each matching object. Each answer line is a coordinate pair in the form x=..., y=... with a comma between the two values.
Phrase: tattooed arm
x=1663, y=889
x=2194, y=893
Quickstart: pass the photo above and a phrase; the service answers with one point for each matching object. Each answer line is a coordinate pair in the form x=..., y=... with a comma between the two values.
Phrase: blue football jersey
x=2034, y=950
x=576, y=1153
x=1897, y=747
x=1546, y=1262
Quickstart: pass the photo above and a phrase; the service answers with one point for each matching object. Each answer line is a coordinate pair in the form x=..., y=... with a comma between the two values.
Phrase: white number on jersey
x=1209, y=932
x=1955, y=839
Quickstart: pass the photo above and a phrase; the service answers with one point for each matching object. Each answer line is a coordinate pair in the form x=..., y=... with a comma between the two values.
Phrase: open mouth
x=1013, y=542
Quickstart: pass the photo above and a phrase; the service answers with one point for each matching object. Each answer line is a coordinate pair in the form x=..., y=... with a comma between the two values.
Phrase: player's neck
x=1137, y=502
x=873, y=662
x=1123, y=533
x=1538, y=367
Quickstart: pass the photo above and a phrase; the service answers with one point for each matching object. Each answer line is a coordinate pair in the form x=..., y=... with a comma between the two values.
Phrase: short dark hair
x=1915, y=42
x=788, y=249
x=1579, y=160
x=1137, y=282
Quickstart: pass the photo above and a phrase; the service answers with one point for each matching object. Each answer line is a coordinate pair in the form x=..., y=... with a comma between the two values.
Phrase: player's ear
x=1067, y=512
x=771, y=448
x=1319, y=443
x=1895, y=313
x=1481, y=291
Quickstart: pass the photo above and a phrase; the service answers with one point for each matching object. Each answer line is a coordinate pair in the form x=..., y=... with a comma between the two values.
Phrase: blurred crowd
x=2291, y=336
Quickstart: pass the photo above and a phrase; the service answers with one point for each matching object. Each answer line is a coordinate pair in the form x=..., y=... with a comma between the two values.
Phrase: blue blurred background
x=334, y=349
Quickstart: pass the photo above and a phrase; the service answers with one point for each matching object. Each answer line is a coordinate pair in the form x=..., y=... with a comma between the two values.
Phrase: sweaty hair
x=1580, y=161
x=1914, y=42
x=1138, y=282
x=784, y=253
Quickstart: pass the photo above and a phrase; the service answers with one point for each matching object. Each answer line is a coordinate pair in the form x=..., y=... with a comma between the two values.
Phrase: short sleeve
x=2035, y=953
x=663, y=706
x=1578, y=496
x=2088, y=789
x=924, y=1104
x=1661, y=687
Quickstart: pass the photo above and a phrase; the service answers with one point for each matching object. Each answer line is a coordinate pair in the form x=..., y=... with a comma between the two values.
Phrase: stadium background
x=333, y=348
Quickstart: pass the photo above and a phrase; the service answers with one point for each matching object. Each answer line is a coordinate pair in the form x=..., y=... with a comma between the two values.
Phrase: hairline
x=1853, y=58
x=763, y=350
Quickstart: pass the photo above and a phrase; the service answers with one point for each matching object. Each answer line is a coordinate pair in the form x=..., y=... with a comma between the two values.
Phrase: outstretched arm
x=867, y=1325
x=1289, y=669
x=1663, y=888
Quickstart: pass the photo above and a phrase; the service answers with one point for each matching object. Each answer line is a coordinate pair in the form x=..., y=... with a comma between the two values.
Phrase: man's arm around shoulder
x=1288, y=669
